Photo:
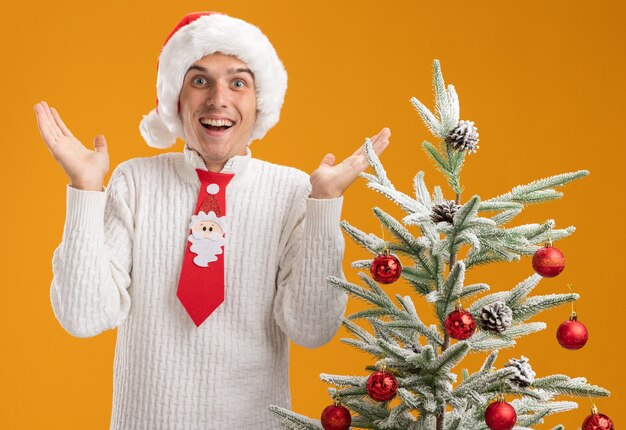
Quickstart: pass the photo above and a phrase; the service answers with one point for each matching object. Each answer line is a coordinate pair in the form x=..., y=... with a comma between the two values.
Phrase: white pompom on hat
x=204, y=33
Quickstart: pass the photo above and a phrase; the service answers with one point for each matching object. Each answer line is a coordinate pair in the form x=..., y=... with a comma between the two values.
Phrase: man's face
x=218, y=107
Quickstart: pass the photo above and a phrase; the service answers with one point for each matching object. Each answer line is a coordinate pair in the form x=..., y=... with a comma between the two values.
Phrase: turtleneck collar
x=191, y=161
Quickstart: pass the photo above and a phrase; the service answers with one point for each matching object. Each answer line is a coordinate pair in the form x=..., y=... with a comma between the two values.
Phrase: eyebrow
x=230, y=71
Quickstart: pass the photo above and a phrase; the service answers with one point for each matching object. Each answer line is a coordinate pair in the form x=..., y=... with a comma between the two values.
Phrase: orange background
x=542, y=80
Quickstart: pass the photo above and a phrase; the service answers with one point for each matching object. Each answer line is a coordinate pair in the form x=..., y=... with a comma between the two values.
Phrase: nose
x=218, y=95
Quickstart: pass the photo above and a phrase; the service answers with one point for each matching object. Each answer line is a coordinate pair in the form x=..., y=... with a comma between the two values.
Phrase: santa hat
x=204, y=33
x=210, y=204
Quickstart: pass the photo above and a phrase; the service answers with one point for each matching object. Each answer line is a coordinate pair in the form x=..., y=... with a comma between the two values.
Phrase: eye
x=204, y=228
x=239, y=83
x=199, y=80
x=210, y=228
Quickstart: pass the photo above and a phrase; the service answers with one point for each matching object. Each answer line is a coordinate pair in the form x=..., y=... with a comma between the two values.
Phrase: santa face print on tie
x=207, y=230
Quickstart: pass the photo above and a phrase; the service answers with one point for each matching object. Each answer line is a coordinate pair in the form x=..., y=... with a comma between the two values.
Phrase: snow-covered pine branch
x=531, y=411
x=536, y=304
x=562, y=384
x=397, y=229
x=450, y=358
x=343, y=380
x=446, y=106
x=407, y=204
x=422, y=281
x=421, y=191
x=294, y=421
x=539, y=190
x=419, y=328
x=450, y=290
x=508, y=210
x=361, y=293
x=374, y=161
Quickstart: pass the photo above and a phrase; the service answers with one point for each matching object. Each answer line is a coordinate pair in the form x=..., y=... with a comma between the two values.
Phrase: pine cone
x=525, y=374
x=444, y=211
x=496, y=317
x=464, y=137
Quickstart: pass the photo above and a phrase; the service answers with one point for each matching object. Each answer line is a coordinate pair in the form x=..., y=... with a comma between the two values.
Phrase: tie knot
x=211, y=197
x=208, y=178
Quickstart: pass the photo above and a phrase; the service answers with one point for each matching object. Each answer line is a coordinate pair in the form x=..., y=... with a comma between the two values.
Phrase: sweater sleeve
x=92, y=264
x=306, y=307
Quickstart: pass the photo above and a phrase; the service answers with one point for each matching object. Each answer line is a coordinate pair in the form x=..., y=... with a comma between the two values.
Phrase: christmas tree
x=412, y=385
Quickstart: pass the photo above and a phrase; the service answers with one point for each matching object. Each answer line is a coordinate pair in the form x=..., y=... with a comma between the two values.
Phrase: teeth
x=216, y=122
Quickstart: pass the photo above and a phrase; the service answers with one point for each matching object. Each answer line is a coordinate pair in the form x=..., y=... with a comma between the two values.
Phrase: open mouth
x=216, y=124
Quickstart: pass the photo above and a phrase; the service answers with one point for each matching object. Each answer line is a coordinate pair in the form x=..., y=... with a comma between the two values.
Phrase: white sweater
x=118, y=266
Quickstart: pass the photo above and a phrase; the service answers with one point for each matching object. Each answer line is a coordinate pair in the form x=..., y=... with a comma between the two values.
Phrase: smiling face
x=218, y=108
x=207, y=230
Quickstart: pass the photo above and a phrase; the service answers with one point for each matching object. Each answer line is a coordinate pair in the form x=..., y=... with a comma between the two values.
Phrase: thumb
x=100, y=143
x=329, y=159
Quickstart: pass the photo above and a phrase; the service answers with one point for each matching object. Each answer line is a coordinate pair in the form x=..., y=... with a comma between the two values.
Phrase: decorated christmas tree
x=412, y=386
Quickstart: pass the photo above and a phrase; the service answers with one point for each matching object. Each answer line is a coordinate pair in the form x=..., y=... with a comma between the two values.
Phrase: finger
x=361, y=149
x=60, y=123
x=381, y=147
x=56, y=131
x=382, y=135
x=358, y=166
x=328, y=160
x=46, y=111
x=383, y=140
x=100, y=143
x=44, y=126
x=42, y=118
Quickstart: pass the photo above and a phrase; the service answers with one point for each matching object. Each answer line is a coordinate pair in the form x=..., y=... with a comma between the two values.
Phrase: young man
x=207, y=261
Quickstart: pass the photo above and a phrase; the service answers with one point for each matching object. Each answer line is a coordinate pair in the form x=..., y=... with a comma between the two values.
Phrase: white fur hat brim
x=154, y=132
x=207, y=35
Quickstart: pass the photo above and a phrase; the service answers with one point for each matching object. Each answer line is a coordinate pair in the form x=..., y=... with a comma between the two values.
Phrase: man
x=203, y=329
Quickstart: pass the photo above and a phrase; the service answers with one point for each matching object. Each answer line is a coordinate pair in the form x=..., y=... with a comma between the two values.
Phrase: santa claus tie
x=201, y=282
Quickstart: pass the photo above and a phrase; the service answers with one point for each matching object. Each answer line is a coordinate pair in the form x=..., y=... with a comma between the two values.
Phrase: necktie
x=201, y=282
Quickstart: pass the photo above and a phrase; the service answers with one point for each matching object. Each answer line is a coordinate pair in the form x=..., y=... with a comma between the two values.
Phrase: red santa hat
x=204, y=33
x=210, y=204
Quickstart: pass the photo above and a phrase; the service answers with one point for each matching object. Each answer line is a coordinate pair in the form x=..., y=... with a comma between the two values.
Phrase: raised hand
x=330, y=180
x=85, y=168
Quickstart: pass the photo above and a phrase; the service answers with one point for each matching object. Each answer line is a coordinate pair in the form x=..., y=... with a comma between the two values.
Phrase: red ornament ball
x=382, y=386
x=548, y=261
x=500, y=416
x=460, y=324
x=336, y=417
x=572, y=334
x=597, y=422
x=386, y=268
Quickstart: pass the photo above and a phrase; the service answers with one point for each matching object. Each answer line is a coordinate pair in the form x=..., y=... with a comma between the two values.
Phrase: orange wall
x=542, y=80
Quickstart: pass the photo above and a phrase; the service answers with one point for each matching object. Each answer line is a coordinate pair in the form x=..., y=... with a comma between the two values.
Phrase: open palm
x=86, y=168
x=330, y=180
